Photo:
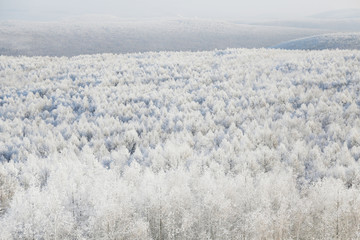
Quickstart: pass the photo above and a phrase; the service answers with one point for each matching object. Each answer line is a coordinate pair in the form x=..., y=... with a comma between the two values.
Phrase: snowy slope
x=101, y=34
x=257, y=144
x=326, y=41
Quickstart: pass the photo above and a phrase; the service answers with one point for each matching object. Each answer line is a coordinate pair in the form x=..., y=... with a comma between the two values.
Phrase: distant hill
x=326, y=41
x=102, y=34
x=337, y=25
x=339, y=14
x=346, y=20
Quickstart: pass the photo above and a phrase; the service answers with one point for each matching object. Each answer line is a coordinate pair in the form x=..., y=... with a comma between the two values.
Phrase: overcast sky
x=58, y=9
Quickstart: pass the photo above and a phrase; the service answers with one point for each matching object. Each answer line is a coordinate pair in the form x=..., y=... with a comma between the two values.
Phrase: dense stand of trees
x=235, y=144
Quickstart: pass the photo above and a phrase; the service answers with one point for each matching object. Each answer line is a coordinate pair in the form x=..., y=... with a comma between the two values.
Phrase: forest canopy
x=225, y=144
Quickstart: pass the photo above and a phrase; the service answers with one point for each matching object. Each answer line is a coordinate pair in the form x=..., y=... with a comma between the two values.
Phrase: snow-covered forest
x=230, y=144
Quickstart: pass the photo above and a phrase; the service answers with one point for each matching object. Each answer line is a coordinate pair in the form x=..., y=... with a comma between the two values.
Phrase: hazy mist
x=45, y=10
